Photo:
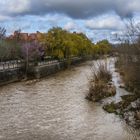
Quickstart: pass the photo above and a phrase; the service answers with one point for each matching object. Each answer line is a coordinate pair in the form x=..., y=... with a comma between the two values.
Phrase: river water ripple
x=55, y=109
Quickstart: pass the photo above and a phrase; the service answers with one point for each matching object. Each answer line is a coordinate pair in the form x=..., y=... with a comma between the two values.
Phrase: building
x=26, y=36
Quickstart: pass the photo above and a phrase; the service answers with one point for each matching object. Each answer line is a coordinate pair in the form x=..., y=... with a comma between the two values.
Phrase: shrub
x=100, y=72
x=100, y=87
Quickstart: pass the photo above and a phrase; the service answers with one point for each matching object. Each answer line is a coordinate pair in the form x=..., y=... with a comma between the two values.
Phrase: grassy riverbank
x=129, y=107
x=128, y=65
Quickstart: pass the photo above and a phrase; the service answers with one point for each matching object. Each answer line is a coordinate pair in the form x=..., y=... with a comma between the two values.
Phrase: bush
x=129, y=68
x=100, y=86
x=129, y=57
x=101, y=72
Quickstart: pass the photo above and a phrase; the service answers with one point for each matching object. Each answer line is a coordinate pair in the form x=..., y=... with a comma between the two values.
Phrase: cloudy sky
x=99, y=19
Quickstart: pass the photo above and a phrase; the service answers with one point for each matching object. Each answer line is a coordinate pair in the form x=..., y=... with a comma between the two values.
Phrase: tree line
x=57, y=43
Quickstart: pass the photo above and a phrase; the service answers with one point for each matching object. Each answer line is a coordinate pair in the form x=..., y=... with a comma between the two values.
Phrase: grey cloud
x=108, y=22
x=78, y=9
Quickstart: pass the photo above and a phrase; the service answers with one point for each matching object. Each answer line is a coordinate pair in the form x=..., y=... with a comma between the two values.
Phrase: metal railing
x=15, y=64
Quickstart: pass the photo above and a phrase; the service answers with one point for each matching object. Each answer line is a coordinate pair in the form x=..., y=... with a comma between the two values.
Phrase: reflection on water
x=55, y=109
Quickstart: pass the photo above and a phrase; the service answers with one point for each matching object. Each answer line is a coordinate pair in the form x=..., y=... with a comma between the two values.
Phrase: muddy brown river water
x=55, y=108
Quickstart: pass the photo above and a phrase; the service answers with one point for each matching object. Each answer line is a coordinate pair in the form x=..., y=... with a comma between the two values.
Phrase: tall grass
x=129, y=67
x=99, y=86
x=129, y=56
x=101, y=72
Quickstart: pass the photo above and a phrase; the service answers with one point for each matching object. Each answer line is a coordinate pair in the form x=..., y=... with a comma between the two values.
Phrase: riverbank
x=128, y=109
x=129, y=106
x=8, y=76
x=121, y=102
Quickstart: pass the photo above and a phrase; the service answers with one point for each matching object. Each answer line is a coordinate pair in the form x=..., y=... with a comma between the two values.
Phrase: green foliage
x=104, y=47
x=62, y=44
x=110, y=108
x=58, y=44
x=9, y=50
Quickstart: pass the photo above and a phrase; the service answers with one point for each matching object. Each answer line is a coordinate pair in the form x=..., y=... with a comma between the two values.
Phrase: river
x=55, y=108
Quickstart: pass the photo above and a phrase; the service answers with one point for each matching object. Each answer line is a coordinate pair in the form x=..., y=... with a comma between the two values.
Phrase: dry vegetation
x=129, y=59
x=100, y=85
x=128, y=65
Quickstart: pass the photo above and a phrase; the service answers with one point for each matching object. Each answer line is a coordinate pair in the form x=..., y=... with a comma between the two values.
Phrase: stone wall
x=13, y=75
x=9, y=76
x=45, y=70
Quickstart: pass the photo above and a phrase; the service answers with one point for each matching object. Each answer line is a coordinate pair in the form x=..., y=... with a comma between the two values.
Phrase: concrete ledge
x=45, y=70
x=9, y=76
x=14, y=75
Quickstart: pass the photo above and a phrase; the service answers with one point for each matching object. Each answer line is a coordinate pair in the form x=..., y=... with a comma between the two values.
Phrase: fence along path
x=19, y=63
x=13, y=64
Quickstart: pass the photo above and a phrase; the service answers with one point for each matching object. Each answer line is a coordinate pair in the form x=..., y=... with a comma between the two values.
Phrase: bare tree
x=129, y=50
x=2, y=32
